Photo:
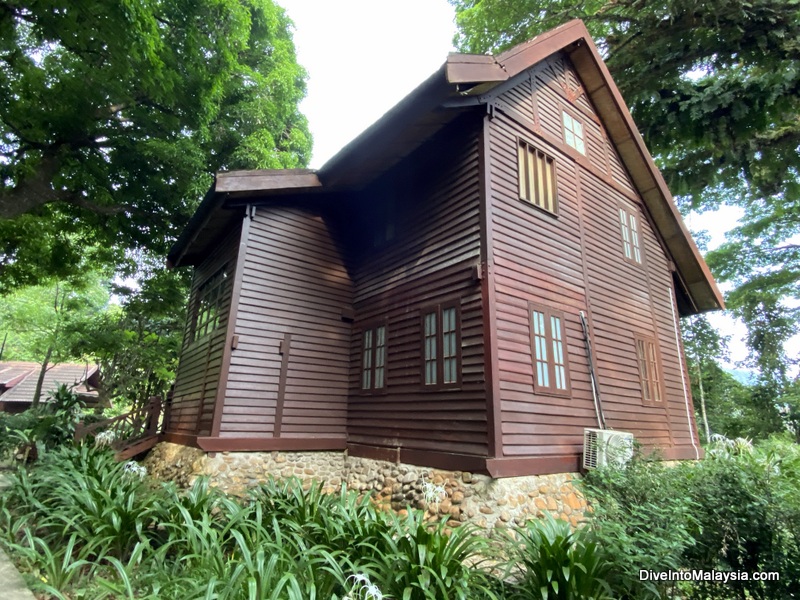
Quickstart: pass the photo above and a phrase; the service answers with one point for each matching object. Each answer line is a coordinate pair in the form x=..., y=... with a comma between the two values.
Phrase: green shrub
x=643, y=516
x=748, y=516
x=419, y=560
x=47, y=426
x=549, y=560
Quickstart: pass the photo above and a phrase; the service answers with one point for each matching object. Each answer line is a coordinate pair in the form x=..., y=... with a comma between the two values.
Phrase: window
x=647, y=357
x=210, y=298
x=573, y=133
x=548, y=349
x=373, y=358
x=537, y=177
x=630, y=235
x=441, y=337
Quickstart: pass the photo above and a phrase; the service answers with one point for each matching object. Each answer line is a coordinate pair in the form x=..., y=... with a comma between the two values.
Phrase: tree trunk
x=703, y=401
x=38, y=392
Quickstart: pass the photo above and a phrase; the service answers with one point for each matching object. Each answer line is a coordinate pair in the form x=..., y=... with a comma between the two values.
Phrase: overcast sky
x=362, y=57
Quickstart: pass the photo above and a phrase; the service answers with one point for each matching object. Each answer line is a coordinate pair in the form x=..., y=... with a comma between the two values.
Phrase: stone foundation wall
x=462, y=496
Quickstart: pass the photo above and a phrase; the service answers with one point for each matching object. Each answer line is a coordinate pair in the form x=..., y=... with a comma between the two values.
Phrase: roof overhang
x=463, y=82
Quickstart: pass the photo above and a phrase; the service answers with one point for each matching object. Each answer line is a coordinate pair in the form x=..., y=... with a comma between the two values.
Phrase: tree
x=715, y=88
x=114, y=114
x=137, y=342
x=42, y=322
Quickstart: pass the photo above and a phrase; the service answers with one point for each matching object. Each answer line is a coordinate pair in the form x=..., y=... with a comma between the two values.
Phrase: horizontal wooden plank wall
x=431, y=259
x=542, y=258
x=198, y=373
x=537, y=259
x=289, y=325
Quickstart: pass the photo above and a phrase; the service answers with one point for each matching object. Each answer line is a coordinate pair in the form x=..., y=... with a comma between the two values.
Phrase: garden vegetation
x=81, y=525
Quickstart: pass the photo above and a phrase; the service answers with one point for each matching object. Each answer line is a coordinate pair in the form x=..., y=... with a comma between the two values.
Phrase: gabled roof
x=18, y=380
x=463, y=83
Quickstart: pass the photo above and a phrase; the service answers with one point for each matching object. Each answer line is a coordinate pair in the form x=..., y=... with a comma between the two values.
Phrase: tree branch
x=37, y=190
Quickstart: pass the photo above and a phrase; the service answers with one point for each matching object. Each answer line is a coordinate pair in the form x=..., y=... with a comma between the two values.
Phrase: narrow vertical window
x=366, y=379
x=559, y=368
x=548, y=351
x=626, y=233
x=649, y=372
x=540, y=349
x=637, y=256
x=211, y=297
x=573, y=133
x=430, y=349
x=536, y=177
x=380, y=356
x=441, y=346
x=373, y=358
x=629, y=226
x=449, y=352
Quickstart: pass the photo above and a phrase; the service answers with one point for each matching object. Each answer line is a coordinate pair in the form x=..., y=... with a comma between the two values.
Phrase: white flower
x=362, y=585
x=433, y=493
x=134, y=469
x=104, y=438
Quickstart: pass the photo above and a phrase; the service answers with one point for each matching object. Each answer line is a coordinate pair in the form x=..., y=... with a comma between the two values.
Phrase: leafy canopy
x=114, y=114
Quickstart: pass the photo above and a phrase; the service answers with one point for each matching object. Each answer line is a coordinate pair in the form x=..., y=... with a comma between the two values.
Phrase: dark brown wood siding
x=198, y=373
x=431, y=260
x=574, y=262
x=293, y=348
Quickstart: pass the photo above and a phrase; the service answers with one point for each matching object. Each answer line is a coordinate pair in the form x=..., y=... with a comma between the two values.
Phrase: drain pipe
x=598, y=407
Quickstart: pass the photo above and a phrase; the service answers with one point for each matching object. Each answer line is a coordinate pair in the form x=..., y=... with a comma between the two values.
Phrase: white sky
x=364, y=56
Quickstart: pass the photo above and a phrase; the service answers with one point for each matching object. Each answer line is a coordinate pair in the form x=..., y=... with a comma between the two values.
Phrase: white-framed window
x=629, y=227
x=573, y=133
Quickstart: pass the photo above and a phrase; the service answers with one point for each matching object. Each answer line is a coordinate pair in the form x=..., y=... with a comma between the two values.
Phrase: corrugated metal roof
x=18, y=380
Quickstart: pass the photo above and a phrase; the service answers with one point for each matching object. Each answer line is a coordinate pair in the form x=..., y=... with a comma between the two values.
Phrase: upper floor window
x=548, y=349
x=629, y=225
x=373, y=358
x=210, y=298
x=647, y=357
x=573, y=133
x=537, y=177
x=441, y=334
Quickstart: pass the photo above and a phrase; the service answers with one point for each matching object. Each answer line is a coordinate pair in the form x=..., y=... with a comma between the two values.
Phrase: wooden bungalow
x=419, y=297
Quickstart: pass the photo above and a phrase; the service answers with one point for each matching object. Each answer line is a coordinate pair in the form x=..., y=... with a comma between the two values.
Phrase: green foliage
x=50, y=317
x=551, y=561
x=644, y=517
x=419, y=561
x=749, y=521
x=737, y=510
x=114, y=115
x=138, y=342
x=45, y=427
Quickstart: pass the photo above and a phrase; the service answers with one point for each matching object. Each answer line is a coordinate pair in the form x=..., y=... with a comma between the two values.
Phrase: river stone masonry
x=460, y=495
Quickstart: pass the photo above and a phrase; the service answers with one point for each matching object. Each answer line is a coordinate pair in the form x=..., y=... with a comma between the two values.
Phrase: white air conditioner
x=603, y=447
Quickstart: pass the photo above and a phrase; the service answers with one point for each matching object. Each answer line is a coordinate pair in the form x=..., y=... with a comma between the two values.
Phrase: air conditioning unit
x=603, y=447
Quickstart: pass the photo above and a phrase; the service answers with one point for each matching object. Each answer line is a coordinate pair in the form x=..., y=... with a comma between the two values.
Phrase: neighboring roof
x=463, y=82
x=18, y=380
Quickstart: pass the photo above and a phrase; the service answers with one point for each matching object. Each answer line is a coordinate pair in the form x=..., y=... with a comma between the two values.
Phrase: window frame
x=635, y=232
x=373, y=327
x=216, y=284
x=438, y=309
x=564, y=130
x=526, y=148
x=652, y=360
x=549, y=313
